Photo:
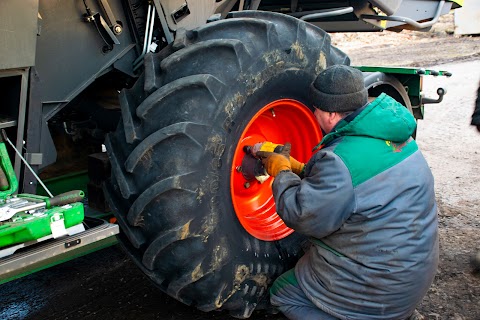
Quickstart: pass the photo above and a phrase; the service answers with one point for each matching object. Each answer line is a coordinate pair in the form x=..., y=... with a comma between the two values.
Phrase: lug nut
x=238, y=168
x=247, y=149
x=246, y=185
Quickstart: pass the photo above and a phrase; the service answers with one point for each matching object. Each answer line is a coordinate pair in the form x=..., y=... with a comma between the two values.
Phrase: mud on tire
x=172, y=155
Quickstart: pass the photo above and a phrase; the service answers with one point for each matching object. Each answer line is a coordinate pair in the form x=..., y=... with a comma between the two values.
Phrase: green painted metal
x=23, y=226
x=411, y=79
x=400, y=70
x=9, y=172
x=27, y=227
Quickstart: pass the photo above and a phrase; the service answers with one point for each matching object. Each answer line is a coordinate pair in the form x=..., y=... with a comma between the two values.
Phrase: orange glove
x=297, y=166
x=276, y=162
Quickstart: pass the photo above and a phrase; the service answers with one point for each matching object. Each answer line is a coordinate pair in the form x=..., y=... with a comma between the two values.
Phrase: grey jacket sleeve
x=320, y=203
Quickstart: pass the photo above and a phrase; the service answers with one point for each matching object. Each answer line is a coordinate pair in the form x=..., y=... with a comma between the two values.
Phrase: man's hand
x=296, y=166
x=276, y=162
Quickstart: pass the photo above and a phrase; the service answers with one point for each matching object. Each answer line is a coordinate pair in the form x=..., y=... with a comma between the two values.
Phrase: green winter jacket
x=367, y=201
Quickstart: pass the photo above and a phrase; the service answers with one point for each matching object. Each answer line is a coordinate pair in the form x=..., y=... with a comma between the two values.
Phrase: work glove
x=275, y=162
x=267, y=146
x=297, y=166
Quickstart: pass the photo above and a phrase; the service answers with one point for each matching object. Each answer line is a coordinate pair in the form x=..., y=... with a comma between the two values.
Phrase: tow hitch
x=440, y=91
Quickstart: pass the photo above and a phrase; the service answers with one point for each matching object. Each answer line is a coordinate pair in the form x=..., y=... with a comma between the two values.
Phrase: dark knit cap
x=339, y=88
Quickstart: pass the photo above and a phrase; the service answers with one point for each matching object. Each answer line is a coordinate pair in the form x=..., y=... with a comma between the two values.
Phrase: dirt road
x=107, y=285
x=452, y=149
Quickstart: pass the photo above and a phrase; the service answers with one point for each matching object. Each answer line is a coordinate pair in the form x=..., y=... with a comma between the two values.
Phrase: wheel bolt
x=238, y=168
x=117, y=29
x=246, y=185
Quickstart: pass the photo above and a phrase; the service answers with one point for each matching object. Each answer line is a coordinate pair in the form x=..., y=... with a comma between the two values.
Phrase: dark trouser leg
x=289, y=298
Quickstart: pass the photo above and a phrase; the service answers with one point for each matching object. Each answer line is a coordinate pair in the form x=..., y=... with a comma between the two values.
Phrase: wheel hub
x=281, y=121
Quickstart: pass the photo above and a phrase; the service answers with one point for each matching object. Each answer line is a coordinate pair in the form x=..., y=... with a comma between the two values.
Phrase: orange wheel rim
x=281, y=121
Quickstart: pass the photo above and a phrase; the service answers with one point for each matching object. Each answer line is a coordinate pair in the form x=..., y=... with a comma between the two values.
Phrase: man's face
x=326, y=120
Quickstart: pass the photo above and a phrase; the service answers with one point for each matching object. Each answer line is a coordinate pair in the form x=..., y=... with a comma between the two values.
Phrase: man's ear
x=332, y=117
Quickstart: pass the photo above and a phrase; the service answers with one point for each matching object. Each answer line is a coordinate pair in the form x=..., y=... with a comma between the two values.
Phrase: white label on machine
x=57, y=225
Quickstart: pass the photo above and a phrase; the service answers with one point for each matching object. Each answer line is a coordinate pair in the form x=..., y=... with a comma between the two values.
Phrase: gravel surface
x=452, y=149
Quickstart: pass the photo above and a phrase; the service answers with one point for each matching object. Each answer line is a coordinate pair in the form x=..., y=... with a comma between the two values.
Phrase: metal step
x=31, y=258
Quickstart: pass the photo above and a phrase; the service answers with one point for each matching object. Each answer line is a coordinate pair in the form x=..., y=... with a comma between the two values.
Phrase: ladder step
x=54, y=251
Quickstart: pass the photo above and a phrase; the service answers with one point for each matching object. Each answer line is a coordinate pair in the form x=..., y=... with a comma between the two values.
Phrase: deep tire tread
x=124, y=183
x=129, y=100
x=175, y=99
x=188, y=129
x=170, y=156
x=151, y=255
x=135, y=217
x=259, y=36
x=134, y=235
x=231, y=53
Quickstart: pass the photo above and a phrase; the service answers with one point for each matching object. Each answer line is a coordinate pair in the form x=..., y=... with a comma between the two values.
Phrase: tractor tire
x=173, y=154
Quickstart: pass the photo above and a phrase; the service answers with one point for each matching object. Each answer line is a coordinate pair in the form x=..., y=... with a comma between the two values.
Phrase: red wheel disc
x=281, y=121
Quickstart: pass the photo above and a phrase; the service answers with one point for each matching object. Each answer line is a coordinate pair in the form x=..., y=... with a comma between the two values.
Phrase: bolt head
x=117, y=29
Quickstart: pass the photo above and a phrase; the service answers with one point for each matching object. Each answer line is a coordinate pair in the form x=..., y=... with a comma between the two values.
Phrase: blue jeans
x=288, y=297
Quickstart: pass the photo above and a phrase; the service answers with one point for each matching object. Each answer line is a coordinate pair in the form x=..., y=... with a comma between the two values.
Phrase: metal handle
x=406, y=20
x=65, y=198
x=326, y=14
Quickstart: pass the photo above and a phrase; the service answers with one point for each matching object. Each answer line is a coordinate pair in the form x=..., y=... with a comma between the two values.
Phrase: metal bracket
x=163, y=21
x=72, y=243
x=180, y=13
x=102, y=27
x=406, y=20
x=35, y=159
x=112, y=21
